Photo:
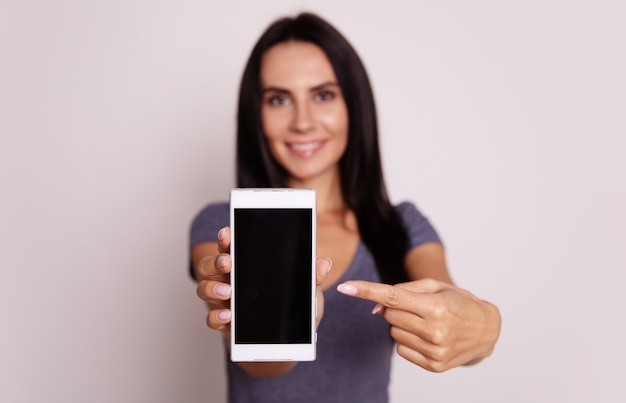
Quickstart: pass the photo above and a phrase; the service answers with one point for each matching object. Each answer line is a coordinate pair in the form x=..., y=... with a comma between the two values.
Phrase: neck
x=328, y=188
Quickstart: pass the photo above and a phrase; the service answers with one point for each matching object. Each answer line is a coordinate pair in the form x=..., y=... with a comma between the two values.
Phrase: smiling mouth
x=305, y=146
x=305, y=149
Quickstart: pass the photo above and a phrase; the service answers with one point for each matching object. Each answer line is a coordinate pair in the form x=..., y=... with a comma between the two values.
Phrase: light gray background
x=504, y=121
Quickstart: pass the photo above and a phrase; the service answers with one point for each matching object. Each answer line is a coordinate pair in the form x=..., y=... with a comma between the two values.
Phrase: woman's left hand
x=437, y=325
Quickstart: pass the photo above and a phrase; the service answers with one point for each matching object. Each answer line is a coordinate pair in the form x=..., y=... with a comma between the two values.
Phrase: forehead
x=295, y=63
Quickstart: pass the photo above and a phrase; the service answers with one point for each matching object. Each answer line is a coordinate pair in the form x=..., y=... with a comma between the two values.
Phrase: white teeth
x=305, y=146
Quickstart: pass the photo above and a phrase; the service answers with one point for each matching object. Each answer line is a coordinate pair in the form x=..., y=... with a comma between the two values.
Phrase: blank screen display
x=273, y=256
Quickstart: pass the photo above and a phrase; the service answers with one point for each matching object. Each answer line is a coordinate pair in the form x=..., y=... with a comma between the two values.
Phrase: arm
x=427, y=261
x=211, y=265
x=437, y=325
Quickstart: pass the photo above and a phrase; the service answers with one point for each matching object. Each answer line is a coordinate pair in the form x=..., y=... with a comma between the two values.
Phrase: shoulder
x=213, y=210
x=417, y=226
x=208, y=221
x=409, y=213
x=406, y=208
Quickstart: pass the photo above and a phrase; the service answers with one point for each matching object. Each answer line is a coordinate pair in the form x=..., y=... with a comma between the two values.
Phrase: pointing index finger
x=383, y=294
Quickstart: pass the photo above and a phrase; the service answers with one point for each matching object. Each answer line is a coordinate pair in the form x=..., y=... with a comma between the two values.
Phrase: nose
x=303, y=119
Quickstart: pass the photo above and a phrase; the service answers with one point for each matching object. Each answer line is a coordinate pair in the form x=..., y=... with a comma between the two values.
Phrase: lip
x=305, y=149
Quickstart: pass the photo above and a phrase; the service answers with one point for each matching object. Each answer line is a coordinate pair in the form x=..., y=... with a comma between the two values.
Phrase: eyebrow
x=286, y=91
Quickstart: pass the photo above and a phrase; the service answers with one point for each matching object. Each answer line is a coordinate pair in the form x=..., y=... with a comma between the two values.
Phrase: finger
x=211, y=266
x=425, y=305
x=407, y=321
x=425, y=286
x=384, y=294
x=319, y=307
x=223, y=240
x=378, y=309
x=413, y=324
x=420, y=359
x=219, y=319
x=209, y=290
x=435, y=334
x=436, y=358
x=323, y=266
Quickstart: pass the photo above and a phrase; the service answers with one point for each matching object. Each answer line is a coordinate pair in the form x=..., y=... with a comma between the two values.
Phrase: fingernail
x=223, y=315
x=221, y=234
x=347, y=289
x=330, y=265
x=377, y=309
x=222, y=289
x=221, y=261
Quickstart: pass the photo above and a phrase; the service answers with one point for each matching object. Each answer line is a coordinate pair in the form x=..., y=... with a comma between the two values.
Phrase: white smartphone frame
x=272, y=198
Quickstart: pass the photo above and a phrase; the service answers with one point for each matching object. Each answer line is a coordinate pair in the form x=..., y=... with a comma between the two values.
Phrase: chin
x=309, y=175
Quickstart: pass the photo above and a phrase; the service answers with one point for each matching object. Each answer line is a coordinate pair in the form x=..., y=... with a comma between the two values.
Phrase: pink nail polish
x=223, y=315
x=377, y=309
x=347, y=289
x=222, y=289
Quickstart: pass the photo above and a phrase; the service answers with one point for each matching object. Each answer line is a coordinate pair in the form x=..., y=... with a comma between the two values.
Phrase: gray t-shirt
x=353, y=346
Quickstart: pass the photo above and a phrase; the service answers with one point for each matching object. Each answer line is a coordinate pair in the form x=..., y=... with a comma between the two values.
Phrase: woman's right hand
x=213, y=272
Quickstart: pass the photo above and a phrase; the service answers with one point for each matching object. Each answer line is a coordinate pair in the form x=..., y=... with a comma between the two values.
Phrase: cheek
x=337, y=122
x=273, y=124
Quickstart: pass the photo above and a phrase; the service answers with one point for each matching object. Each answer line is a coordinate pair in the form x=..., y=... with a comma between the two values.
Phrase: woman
x=307, y=118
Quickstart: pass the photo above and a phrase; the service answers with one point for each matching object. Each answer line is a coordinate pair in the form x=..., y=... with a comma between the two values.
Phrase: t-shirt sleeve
x=418, y=228
x=208, y=222
x=205, y=226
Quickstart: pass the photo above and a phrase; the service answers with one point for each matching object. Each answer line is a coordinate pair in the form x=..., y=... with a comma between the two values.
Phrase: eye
x=276, y=100
x=324, y=96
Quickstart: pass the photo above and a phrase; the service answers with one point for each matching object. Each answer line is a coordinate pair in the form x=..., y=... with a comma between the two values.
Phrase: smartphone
x=273, y=252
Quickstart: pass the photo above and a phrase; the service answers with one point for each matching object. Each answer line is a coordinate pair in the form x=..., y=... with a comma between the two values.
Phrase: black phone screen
x=273, y=281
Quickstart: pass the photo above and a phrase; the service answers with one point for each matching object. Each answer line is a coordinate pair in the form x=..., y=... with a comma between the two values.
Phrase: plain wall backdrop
x=505, y=122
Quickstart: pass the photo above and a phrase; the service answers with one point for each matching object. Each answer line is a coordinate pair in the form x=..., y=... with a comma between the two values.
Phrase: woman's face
x=303, y=112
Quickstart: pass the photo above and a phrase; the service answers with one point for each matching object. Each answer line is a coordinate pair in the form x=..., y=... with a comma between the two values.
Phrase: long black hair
x=362, y=184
